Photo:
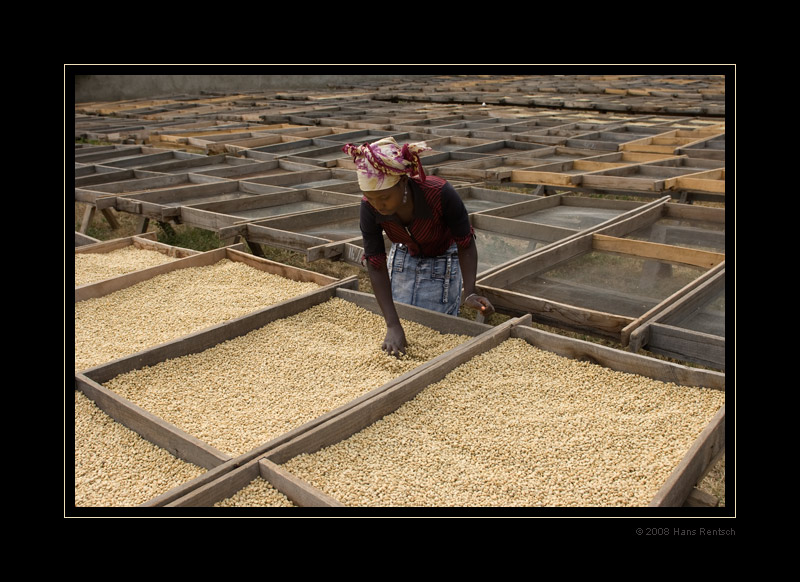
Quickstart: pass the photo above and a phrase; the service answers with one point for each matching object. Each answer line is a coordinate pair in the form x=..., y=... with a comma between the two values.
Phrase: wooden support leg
x=112, y=220
x=255, y=248
x=144, y=222
x=88, y=214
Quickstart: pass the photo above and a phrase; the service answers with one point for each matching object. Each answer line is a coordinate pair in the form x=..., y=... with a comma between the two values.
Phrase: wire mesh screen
x=574, y=217
x=339, y=230
x=608, y=282
x=478, y=205
x=281, y=209
x=696, y=234
x=495, y=248
x=708, y=318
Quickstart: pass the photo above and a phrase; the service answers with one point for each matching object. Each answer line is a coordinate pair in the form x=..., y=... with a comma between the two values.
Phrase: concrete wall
x=118, y=87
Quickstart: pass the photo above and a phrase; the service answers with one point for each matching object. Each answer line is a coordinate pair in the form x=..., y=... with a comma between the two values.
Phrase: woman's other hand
x=481, y=304
x=394, y=343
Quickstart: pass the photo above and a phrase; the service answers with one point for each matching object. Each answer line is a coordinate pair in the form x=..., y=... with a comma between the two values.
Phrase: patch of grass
x=188, y=238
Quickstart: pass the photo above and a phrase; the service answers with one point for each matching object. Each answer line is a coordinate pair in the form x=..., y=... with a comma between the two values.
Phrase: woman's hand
x=394, y=343
x=481, y=304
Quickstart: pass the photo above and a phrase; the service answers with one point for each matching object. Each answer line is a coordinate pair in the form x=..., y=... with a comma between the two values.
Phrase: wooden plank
x=685, y=298
x=149, y=426
x=82, y=240
x=101, y=288
x=693, y=298
x=693, y=466
x=689, y=346
x=699, y=498
x=227, y=481
x=133, y=202
x=210, y=336
x=369, y=410
x=559, y=314
x=662, y=252
x=438, y=321
x=258, y=234
x=280, y=203
x=119, y=243
x=620, y=360
x=707, y=181
x=298, y=491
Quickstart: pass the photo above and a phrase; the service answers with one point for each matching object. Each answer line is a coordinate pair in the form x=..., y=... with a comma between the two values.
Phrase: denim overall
x=428, y=282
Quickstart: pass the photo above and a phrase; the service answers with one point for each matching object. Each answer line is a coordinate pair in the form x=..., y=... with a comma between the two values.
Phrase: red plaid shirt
x=440, y=219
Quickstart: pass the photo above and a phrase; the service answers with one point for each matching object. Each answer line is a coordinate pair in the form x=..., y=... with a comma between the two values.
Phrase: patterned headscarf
x=380, y=165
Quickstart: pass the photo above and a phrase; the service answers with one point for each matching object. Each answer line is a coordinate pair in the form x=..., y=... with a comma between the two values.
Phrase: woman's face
x=387, y=201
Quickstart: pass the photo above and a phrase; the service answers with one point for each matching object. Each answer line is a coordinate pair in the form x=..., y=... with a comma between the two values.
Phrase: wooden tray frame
x=661, y=335
x=284, y=232
x=220, y=215
x=665, y=209
x=143, y=241
x=656, y=176
x=184, y=446
x=602, y=324
x=570, y=173
x=165, y=204
x=675, y=492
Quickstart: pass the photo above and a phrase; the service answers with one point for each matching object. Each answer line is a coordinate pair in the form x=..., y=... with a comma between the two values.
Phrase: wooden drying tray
x=190, y=449
x=504, y=148
x=617, y=327
x=237, y=144
x=145, y=241
x=713, y=239
x=490, y=198
x=295, y=147
x=571, y=173
x=103, y=195
x=182, y=136
x=232, y=253
x=492, y=168
x=164, y=204
x=104, y=153
x=96, y=192
x=559, y=134
x=675, y=492
x=535, y=203
x=304, y=176
x=227, y=213
x=324, y=156
x=289, y=232
x=645, y=177
x=197, y=164
x=671, y=142
x=666, y=334
x=93, y=175
x=612, y=139
x=504, y=220
x=143, y=159
x=710, y=181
